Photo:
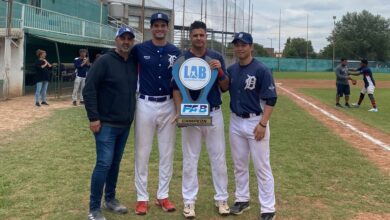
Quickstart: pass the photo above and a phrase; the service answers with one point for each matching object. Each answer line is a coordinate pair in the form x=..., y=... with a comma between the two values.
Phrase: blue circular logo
x=195, y=73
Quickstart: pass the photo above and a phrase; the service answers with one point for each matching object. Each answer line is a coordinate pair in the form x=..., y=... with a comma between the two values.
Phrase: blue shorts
x=343, y=90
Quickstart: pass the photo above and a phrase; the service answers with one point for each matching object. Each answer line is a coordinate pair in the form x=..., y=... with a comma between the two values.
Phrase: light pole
x=334, y=40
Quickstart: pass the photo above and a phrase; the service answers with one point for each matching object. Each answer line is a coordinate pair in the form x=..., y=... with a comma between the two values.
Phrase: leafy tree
x=259, y=51
x=360, y=35
x=297, y=48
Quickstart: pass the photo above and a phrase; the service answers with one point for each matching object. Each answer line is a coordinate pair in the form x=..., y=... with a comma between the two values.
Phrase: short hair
x=39, y=52
x=83, y=50
x=343, y=59
x=364, y=61
x=197, y=25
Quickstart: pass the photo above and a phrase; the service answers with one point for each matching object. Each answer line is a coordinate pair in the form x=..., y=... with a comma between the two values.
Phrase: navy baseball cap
x=159, y=16
x=244, y=37
x=123, y=30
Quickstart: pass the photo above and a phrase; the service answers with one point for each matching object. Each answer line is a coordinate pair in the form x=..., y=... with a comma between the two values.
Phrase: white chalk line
x=333, y=117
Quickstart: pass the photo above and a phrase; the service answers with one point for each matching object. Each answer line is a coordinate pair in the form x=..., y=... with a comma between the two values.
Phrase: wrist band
x=264, y=126
x=220, y=73
x=222, y=78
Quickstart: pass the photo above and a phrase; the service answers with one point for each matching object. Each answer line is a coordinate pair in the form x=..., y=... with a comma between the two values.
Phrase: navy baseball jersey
x=367, y=76
x=214, y=96
x=249, y=84
x=81, y=70
x=155, y=67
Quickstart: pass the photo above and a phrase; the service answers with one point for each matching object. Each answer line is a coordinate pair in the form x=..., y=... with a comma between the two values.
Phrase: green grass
x=379, y=120
x=321, y=75
x=45, y=172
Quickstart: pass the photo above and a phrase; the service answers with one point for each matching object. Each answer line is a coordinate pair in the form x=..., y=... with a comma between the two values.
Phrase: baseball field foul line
x=333, y=117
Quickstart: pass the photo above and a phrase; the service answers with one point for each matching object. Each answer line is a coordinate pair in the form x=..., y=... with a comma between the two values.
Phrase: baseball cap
x=365, y=61
x=123, y=30
x=159, y=16
x=244, y=37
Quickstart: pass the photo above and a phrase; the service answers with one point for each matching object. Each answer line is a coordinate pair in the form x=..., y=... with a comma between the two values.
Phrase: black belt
x=215, y=108
x=247, y=115
x=155, y=99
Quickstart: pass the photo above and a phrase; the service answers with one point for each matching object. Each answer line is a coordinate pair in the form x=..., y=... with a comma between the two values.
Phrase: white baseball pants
x=79, y=84
x=149, y=117
x=215, y=144
x=368, y=90
x=243, y=144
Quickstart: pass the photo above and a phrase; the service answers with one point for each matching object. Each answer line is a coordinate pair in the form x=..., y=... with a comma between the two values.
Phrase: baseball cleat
x=338, y=105
x=268, y=216
x=166, y=205
x=355, y=105
x=373, y=110
x=239, y=207
x=189, y=211
x=223, y=207
x=141, y=208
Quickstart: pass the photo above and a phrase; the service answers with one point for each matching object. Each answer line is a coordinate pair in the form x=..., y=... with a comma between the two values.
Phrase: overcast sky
x=294, y=18
x=266, y=16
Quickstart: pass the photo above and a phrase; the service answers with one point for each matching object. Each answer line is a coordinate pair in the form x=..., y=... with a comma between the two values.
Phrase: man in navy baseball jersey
x=154, y=112
x=369, y=84
x=213, y=135
x=82, y=66
x=253, y=97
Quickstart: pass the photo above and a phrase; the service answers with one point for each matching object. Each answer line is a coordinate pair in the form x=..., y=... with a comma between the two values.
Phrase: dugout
x=61, y=52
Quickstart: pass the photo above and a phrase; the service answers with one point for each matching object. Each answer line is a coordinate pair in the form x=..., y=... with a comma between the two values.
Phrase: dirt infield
x=376, y=154
x=19, y=112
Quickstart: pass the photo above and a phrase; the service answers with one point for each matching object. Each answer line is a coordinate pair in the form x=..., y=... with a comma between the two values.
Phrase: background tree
x=360, y=35
x=296, y=48
x=259, y=51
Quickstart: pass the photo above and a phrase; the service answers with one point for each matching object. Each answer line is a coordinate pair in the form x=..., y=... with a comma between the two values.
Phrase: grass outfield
x=45, y=172
x=322, y=75
x=379, y=120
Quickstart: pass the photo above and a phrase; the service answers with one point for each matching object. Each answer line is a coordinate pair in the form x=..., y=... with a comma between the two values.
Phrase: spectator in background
x=42, y=67
x=82, y=66
x=342, y=83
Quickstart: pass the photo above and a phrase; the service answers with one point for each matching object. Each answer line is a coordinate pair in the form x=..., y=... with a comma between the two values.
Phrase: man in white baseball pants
x=252, y=98
x=154, y=112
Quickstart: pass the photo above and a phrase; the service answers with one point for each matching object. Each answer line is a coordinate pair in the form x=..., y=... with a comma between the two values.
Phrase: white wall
x=1, y=57
x=15, y=75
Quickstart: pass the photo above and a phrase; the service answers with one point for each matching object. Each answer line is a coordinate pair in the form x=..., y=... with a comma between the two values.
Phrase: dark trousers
x=110, y=144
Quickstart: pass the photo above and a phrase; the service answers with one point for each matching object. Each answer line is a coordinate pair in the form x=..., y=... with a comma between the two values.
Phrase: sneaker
x=115, y=206
x=189, y=210
x=96, y=215
x=141, y=208
x=338, y=105
x=239, y=207
x=74, y=103
x=355, y=105
x=81, y=102
x=44, y=103
x=223, y=207
x=347, y=105
x=268, y=216
x=373, y=110
x=166, y=205
x=37, y=104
